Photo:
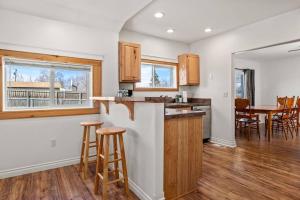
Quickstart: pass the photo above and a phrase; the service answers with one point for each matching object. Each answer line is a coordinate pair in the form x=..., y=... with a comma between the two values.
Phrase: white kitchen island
x=143, y=144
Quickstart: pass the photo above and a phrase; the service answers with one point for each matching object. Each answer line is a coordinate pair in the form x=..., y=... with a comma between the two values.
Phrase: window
x=245, y=84
x=36, y=85
x=239, y=83
x=157, y=76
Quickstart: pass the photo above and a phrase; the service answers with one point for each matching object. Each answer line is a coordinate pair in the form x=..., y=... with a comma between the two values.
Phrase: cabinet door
x=193, y=70
x=130, y=60
x=183, y=149
x=136, y=65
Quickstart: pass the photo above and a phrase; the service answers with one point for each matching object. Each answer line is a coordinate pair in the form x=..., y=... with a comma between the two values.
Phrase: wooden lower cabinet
x=183, y=149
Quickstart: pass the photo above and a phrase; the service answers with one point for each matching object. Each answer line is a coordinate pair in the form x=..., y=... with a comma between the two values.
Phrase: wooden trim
x=159, y=62
x=154, y=89
x=159, y=89
x=96, y=91
x=129, y=44
x=1, y=86
x=48, y=113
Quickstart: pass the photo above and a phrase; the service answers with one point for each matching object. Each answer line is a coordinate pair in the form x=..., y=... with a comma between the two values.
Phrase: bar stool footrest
x=111, y=154
x=113, y=181
x=115, y=160
x=116, y=180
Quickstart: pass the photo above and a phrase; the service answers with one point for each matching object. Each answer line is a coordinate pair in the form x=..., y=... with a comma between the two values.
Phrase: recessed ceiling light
x=170, y=30
x=159, y=15
x=207, y=30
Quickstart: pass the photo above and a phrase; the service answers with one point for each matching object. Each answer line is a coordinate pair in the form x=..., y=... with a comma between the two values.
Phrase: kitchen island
x=146, y=147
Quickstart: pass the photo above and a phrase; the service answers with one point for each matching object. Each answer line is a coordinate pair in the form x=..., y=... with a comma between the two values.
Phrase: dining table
x=268, y=110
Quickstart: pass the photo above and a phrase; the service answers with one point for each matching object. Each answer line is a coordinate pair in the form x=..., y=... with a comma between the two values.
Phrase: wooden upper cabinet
x=189, y=69
x=129, y=62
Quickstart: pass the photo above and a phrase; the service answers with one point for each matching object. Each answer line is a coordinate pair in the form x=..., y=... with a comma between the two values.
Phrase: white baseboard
x=138, y=191
x=39, y=167
x=222, y=142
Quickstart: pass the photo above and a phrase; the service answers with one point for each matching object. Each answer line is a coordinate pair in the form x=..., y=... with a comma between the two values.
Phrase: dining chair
x=280, y=102
x=285, y=118
x=295, y=116
x=246, y=119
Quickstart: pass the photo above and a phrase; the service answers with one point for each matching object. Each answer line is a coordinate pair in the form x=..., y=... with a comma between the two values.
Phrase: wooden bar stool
x=86, y=145
x=103, y=159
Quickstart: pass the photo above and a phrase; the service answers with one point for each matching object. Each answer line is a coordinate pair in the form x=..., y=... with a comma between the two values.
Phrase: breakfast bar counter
x=148, y=142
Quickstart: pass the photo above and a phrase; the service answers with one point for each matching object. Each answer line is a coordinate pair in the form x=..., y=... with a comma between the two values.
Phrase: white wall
x=157, y=49
x=280, y=78
x=26, y=142
x=216, y=59
x=144, y=146
x=29, y=33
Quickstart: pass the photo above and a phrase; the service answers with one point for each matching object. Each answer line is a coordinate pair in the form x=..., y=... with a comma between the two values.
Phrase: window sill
x=155, y=89
x=48, y=113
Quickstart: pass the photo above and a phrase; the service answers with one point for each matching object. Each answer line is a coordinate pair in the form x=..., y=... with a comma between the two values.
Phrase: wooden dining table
x=269, y=110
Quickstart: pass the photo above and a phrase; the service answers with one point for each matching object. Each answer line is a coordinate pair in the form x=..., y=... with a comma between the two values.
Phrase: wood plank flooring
x=255, y=170
x=57, y=184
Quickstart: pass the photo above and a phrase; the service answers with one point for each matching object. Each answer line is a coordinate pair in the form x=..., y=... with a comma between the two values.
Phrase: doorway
x=260, y=76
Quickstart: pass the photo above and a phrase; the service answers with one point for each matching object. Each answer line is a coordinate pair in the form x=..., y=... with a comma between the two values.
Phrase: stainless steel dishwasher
x=206, y=120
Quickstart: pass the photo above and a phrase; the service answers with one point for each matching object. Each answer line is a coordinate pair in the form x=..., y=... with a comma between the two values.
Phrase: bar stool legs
x=86, y=152
x=116, y=163
x=99, y=164
x=82, y=149
x=103, y=160
x=124, y=166
x=86, y=145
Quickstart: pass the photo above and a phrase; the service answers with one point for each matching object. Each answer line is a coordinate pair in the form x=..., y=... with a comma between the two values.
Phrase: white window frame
x=159, y=63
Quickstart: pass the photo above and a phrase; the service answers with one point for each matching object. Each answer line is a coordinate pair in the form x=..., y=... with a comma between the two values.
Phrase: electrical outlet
x=53, y=142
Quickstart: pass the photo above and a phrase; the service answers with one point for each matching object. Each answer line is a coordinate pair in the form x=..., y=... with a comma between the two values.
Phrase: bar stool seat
x=103, y=160
x=110, y=130
x=91, y=123
x=87, y=144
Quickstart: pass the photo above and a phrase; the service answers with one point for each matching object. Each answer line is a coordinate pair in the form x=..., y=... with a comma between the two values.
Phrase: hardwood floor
x=255, y=170
x=57, y=184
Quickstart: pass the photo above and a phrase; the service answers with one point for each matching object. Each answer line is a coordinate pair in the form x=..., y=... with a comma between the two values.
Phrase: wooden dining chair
x=295, y=116
x=280, y=102
x=284, y=119
x=246, y=119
